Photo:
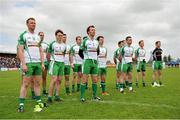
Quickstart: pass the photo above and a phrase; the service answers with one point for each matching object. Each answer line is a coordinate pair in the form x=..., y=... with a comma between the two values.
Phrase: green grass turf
x=148, y=102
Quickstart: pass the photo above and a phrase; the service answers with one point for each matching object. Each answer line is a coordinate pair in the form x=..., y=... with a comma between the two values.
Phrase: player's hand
x=24, y=68
x=134, y=59
x=72, y=65
x=43, y=67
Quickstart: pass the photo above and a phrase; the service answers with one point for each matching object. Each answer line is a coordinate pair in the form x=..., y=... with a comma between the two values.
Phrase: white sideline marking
x=112, y=102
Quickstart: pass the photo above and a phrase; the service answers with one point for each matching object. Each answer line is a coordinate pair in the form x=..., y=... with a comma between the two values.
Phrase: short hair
x=31, y=18
x=98, y=38
x=120, y=42
x=128, y=37
x=157, y=42
x=58, y=30
x=78, y=37
x=40, y=32
x=91, y=26
x=140, y=41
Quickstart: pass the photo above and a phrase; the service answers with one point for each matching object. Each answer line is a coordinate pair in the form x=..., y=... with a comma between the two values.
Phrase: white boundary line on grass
x=114, y=102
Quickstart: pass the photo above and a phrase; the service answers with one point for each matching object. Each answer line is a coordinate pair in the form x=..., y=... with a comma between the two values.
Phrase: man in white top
x=67, y=68
x=76, y=63
x=45, y=47
x=126, y=56
x=102, y=68
x=31, y=57
x=56, y=53
x=140, y=56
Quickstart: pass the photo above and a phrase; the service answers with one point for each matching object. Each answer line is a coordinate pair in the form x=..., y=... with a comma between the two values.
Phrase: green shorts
x=67, y=70
x=141, y=66
x=102, y=71
x=56, y=68
x=127, y=67
x=33, y=69
x=77, y=68
x=46, y=65
x=118, y=67
x=157, y=65
x=90, y=67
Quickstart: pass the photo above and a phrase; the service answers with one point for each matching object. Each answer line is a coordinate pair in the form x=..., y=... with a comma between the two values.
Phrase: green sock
x=49, y=97
x=94, y=88
x=103, y=86
x=38, y=99
x=82, y=90
x=73, y=88
x=127, y=82
x=78, y=87
x=121, y=85
x=44, y=91
x=86, y=85
x=21, y=101
x=67, y=90
x=130, y=84
x=33, y=93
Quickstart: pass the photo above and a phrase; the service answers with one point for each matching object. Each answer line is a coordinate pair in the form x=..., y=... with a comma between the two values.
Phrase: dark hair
x=99, y=37
x=58, y=30
x=128, y=37
x=78, y=37
x=91, y=26
x=140, y=41
x=157, y=42
x=40, y=32
x=120, y=42
x=31, y=18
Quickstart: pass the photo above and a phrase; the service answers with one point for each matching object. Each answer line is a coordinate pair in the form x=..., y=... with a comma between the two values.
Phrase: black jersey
x=157, y=54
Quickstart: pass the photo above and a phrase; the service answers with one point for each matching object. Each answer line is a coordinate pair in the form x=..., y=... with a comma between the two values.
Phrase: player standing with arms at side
x=126, y=56
x=102, y=68
x=140, y=56
x=56, y=51
x=76, y=64
x=89, y=51
x=67, y=68
x=45, y=47
x=31, y=57
x=157, y=65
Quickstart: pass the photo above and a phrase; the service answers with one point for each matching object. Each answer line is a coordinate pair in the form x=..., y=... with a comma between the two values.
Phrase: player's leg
x=129, y=73
x=58, y=84
x=138, y=73
x=160, y=73
x=143, y=78
x=44, y=76
x=66, y=76
x=79, y=74
x=85, y=71
x=53, y=71
x=58, y=80
x=155, y=74
x=33, y=96
x=74, y=77
x=74, y=81
x=23, y=92
x=103, y=81
x=94, y=77
x=37, y=86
